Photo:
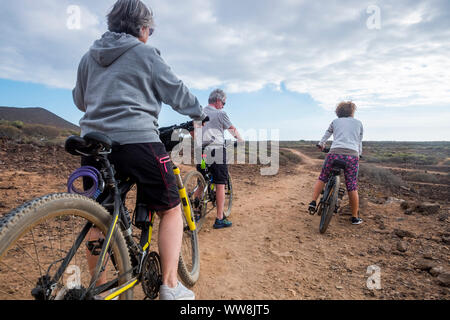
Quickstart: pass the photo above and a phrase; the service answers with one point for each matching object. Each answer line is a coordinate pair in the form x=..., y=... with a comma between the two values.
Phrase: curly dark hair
x=345, y=109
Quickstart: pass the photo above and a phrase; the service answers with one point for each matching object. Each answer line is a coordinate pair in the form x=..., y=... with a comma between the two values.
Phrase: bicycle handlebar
x=324, y=150
x=165, y=133
x=189, y=126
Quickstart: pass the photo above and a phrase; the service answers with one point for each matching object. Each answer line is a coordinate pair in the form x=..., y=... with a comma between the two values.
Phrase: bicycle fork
x=184, y=199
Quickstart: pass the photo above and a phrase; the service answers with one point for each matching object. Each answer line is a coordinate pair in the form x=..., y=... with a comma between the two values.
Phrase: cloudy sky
x=285, y=64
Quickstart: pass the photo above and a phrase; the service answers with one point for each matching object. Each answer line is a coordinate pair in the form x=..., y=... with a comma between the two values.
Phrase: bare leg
x=220, y=200
x=169, y=242
x=354, y=202
x=318, y=187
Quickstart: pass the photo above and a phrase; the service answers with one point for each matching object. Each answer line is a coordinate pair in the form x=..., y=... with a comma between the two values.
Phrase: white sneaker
x=180, y=292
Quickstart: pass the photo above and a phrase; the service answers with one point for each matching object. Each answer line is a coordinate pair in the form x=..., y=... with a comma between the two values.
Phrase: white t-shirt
x=347, y=134
x=213, y=130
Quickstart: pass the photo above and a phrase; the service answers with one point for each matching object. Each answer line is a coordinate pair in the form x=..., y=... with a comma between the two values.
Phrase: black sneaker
x=224, y=223
x=312, y=207
x=356, y=220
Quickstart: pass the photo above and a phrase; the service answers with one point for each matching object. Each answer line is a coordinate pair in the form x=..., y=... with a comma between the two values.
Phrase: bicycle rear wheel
x=329, y=204
x=36, y=238
x=228, y=198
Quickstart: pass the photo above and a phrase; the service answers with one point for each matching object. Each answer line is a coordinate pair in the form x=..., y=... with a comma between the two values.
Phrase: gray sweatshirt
x=121, y=84
x=347, y=136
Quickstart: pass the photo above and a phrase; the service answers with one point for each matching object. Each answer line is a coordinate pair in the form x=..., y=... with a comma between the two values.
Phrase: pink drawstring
x=164, y=161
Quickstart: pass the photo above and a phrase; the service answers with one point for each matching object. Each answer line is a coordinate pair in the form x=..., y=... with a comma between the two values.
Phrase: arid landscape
x=274, y=249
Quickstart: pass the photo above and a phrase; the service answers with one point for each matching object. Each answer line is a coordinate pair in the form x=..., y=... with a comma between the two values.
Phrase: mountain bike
x=41, y=251
x=201, y=192
x=332, y=194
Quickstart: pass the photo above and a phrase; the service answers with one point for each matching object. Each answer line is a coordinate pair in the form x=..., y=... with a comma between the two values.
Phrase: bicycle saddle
x=339, y=164
x=91, y=144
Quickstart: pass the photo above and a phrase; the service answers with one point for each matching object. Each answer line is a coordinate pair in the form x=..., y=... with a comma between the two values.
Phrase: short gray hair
x=129, y=16
x=217, y=94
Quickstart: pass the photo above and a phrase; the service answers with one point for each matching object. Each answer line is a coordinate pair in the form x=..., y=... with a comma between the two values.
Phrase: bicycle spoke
x=15, y=271
x=7, y=293
x=37, y=255
x=50, y=239
x=29, y=255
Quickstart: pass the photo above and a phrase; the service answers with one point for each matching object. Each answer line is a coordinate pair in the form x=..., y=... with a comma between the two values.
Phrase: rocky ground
x=274, y=249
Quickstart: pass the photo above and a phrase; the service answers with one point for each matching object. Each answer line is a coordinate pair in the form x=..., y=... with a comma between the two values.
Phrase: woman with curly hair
x=347, y=146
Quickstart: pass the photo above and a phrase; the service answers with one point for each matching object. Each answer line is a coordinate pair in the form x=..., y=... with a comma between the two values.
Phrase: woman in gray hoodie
x=121, y=84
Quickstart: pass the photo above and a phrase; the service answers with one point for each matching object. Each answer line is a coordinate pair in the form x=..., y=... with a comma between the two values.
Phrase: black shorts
x=149, y=165
x=219, y=171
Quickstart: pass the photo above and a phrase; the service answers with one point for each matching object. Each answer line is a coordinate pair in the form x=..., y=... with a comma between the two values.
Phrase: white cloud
x=320, y=48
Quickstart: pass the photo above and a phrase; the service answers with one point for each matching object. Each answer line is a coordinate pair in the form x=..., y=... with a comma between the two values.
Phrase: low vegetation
x=38, y=134
x=380, y=176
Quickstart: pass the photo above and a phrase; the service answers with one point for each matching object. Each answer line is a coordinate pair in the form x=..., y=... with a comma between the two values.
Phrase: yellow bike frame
x=184, y=199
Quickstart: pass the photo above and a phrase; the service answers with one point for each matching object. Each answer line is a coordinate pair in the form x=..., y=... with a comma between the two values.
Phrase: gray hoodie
x=120, y=86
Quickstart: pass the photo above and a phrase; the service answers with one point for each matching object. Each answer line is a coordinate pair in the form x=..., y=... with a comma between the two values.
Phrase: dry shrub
x=38, y=130
x=422, y=177
x=9, y=132
x=287, y=157
x=380, y=176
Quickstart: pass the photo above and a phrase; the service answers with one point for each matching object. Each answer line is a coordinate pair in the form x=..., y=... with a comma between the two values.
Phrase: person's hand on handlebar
x=197, y=124
x=321, y=146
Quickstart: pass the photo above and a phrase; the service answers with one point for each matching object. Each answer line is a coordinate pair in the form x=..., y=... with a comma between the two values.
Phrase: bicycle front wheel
x=43, y=252
x=329, y=204
x=189, y=262
x=196, y=191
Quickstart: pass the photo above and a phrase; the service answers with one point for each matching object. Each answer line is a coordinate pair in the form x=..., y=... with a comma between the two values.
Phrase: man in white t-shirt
x=213, y=141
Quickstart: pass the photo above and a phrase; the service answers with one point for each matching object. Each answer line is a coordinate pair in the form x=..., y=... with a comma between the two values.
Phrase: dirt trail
x=415, y=170
x=270, y=252
x=275, y=251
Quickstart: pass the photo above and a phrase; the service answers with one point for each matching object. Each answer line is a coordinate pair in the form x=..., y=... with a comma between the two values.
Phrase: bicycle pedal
x=95, y=246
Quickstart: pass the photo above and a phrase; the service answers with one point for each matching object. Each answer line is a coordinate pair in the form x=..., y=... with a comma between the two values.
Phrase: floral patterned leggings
x=350, y=172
